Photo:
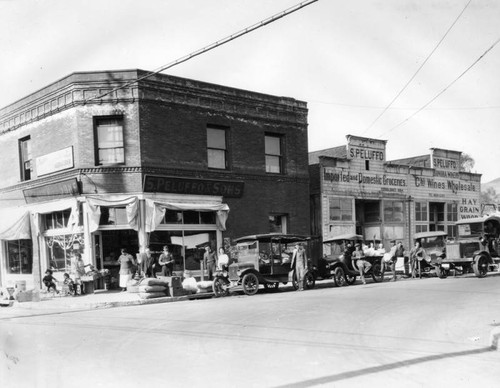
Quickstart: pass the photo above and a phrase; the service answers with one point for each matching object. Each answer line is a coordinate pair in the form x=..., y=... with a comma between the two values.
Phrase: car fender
x=482, y=252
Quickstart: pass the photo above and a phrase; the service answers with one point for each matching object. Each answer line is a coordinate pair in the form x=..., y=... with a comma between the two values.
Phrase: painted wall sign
x=469, y=208
x=365, y=153
x=445, y=163
x=55, y=161
x=454, y=186
x=57, y=190
x=348, y=177
x=176, y=185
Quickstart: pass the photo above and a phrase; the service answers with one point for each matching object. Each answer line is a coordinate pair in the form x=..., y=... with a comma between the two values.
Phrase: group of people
x=360, y=252
x=74, y=283
x=147, y=265
x=213, y=262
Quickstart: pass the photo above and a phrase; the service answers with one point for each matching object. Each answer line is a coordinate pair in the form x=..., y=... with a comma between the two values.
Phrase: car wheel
x=250, y=284
x=350, y=279
x=218, y=287
x=339, y=277
x=309, y=281
x=480, y=266
x=377, y=273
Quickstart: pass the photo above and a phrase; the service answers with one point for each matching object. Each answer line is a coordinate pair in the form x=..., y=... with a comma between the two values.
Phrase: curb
x=495, y=339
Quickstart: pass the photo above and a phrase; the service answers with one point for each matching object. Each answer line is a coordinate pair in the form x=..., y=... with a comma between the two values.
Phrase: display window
x=60, y=249
x=19, y=257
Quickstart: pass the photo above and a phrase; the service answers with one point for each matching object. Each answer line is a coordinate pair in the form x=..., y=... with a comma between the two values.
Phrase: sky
x=347, y=59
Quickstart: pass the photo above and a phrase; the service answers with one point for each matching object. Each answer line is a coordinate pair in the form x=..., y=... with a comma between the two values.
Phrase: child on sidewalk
x=50, y=281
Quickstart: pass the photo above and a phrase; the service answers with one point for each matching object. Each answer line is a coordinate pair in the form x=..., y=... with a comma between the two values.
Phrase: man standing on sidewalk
x=299, y=263
x=209, y=261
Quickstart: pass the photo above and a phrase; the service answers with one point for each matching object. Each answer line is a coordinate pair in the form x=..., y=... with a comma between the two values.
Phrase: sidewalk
x=98, y=300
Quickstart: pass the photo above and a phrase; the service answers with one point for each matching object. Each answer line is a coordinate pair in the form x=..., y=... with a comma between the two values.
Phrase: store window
x=277, y=223
x=109, y=141
x=421, y=228
x=420, y=211
x=60, y=249
x=393, y=211
x=452, y=212
x=217, y=148
x=340, y=209
x=19, y=257
x=274, y=157
x=113, y=216
x=188, y=217
x=57, y=220
x=26, y=158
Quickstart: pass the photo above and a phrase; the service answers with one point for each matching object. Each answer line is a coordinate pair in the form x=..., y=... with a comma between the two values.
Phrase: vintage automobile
x=434, y=246
x=261, y=259
x=476, y=246
x=342, y=268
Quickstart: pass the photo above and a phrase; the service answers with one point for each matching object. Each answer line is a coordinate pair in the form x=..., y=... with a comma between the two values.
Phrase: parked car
x=434, y=246
x=261, y=259
x=476, y=246
x=342, y=268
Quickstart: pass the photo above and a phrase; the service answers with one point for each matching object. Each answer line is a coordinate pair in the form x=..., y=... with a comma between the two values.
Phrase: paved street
x=413, y=333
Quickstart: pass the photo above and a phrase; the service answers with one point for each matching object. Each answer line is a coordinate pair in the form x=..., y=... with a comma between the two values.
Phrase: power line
x=444, y=90
x=212, y=46
x=373, y=107
x=418, y=70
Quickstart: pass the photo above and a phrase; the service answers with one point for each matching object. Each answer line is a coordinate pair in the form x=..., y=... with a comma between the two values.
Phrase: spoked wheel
x=480, y=266
x=271, y=286
x=250, y=284
x=309, y=281
x=219, y=288
x=339, y=277
x=377, y=272
x=350, y=279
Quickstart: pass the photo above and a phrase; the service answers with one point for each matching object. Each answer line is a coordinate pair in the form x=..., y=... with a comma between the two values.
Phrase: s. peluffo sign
x=192, y=186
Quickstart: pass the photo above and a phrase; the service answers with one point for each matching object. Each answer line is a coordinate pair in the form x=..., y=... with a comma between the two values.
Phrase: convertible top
x=342, y=237
x=430, y=234
x=285, y=238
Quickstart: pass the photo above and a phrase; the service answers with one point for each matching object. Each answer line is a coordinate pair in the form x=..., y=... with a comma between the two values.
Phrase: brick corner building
x=98, y=161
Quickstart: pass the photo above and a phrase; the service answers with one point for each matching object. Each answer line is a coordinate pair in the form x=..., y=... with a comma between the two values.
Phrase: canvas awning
x=15, y=224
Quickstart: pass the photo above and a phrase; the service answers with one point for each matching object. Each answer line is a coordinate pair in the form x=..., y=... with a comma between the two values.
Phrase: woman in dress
x=126, y=262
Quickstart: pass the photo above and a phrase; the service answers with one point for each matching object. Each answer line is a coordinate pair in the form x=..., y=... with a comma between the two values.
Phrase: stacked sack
x=152, y=288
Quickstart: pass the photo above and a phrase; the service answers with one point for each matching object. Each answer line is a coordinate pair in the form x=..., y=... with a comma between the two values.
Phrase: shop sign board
x=366, y=149
x=55, y=161
x=384, y=180
x=57, y=190
x=192, y=186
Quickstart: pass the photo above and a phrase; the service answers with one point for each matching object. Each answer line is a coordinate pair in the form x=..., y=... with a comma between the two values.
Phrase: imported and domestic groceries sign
x=192, y=186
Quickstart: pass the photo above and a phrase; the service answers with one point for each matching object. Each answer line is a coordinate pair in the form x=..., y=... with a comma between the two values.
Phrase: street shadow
x=381, y=368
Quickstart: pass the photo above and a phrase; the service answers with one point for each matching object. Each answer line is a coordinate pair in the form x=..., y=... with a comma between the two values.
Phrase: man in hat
x=359, y=259
x=299, y=263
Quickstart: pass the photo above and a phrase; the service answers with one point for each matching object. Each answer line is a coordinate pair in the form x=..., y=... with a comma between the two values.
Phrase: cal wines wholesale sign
x=453, y=185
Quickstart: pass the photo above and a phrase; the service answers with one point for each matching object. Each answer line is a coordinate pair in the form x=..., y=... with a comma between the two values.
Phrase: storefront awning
x=15, y=224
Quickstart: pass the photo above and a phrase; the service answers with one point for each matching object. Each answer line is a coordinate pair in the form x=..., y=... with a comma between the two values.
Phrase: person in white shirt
x=222, y=259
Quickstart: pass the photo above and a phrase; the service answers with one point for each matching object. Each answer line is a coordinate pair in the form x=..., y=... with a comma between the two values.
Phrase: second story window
x=26, y=161
x=216, y=148
x=109, y=141
x=274, y=162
